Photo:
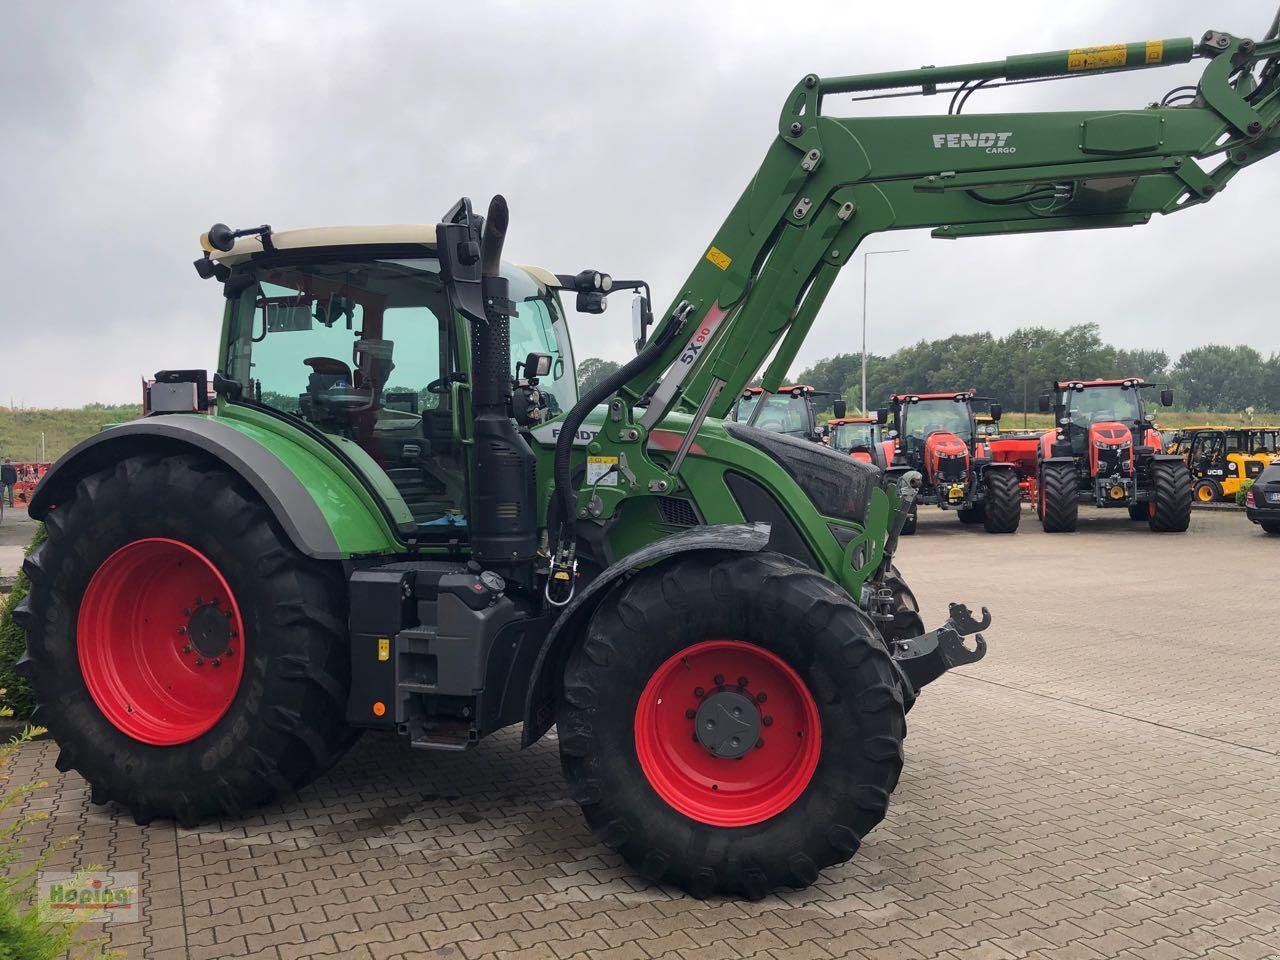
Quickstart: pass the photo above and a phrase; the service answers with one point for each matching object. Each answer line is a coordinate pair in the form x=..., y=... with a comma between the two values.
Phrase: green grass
x=20, y=429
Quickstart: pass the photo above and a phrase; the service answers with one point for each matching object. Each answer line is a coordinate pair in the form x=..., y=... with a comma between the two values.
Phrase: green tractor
x=390, y=509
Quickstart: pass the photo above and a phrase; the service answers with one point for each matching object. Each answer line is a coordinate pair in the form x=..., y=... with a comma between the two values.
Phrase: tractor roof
x=400, y=234
x=958, y=395
x=1127, y=381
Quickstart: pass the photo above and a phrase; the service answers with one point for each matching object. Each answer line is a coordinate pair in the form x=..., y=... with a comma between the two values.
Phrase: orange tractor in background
x=1105, y=450
x=862, y=438
x=937, y=436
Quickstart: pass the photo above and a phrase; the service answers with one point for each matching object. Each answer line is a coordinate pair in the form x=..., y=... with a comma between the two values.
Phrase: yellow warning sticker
x=1098, y=58
x=602, y=471
x=384, y=648
x=719, y=258
x=1155, y=51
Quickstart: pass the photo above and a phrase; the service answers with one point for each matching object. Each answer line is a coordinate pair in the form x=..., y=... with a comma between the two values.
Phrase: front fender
x=543, y=684
x=324, y=519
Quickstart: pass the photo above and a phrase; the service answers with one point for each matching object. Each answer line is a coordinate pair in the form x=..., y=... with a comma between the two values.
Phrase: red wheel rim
x=160, y=641
x=718, y=790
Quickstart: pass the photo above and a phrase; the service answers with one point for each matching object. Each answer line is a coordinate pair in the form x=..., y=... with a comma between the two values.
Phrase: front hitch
x=925, y=658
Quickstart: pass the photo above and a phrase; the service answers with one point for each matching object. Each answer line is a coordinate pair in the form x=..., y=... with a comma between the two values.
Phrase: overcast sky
x=621, y=134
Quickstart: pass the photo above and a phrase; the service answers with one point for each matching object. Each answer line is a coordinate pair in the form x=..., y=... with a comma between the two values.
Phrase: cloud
x=621, y=134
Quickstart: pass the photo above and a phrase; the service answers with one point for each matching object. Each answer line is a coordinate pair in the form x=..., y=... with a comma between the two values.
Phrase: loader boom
x=828, y=182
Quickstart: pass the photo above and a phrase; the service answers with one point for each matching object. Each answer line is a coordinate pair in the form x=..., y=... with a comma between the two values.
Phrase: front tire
x=1169, y=510
x=189, y=662
x=821, y=724
x=1003, y=508
x=1059, y=508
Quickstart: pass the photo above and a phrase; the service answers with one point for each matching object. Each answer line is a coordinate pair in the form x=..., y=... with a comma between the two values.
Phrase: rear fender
x=292, y=503
x=544, y=682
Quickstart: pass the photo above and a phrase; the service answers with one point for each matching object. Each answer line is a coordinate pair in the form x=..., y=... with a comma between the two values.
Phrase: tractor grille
x=677, y=511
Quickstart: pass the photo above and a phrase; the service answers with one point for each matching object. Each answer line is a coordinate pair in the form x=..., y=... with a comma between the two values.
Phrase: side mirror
x=840, y=408
x=1046, y=402
x=1166, y=397
x=882, y=415
x=536, y=365
x=996, y=412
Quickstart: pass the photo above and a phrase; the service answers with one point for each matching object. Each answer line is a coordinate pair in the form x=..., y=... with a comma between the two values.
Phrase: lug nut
x=761, y=697
x=182, y=630
x=199, y=661
x=187, y=648
x=186, y=611
x=698, y=691
x=742, y=681
x=690, y=713
x=719, y=679
x=767, y=721
x=217, y=662
x=759, y=743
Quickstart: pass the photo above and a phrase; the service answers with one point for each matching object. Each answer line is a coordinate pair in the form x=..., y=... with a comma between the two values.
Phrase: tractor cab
x=861, y=438
x=351, y=333
x=792, y=411
x=1104, y=415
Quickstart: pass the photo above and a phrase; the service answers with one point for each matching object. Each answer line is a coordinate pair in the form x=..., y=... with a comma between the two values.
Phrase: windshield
x=847, y=436
x=1097, y=404
x=931, y=416
x=782, y=413
x=367, y=352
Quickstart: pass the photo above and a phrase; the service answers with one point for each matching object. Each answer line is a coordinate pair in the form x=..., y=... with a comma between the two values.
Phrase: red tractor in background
x=1018, y=447
x=862, y=438
x=937, y=435
x=1106, y=450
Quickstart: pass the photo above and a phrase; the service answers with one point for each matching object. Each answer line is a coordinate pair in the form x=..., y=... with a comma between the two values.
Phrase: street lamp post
x=865, y=257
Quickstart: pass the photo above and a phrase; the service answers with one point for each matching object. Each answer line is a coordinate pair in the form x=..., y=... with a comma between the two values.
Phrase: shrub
x=1244, y=488
x=13, y=643
x=23, y=934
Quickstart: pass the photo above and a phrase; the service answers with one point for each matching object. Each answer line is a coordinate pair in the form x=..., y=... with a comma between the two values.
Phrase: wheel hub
x=209, y=629
x=727, y=724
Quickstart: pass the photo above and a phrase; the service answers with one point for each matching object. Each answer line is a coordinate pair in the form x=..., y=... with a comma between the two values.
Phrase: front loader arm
x=826, y=183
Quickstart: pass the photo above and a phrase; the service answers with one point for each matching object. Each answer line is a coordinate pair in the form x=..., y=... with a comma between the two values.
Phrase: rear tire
x=710, y=823
x=1169, y=510
x=105, y=632
x=975, y=514
x=1059, y=508
x=1207, y=491
x=1003, y=508
x=1138, y=512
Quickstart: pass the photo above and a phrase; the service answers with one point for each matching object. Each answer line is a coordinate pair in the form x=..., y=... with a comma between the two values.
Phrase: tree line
x=1019, y=367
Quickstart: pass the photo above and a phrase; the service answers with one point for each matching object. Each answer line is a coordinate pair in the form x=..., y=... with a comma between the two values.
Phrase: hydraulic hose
x=566, y=495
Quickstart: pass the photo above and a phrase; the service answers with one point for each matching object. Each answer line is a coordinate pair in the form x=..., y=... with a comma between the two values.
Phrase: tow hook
x=925, y=658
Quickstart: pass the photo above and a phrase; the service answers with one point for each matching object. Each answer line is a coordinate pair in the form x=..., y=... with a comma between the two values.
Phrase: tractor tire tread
x=287, y=724
x=1171, y=497
x=1061, y=509
x=1003, y=507
x=597, y=740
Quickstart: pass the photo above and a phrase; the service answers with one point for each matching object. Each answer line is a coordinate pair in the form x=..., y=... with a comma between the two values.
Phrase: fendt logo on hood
x=992, y=142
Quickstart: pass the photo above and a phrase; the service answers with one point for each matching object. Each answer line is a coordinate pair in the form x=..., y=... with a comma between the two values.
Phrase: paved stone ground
x=1105, y=785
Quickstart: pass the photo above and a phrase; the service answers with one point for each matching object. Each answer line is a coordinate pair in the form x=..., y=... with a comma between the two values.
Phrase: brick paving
x=1105, y=785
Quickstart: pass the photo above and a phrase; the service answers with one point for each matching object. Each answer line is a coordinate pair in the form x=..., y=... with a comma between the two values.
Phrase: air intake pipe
x=504, y=514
